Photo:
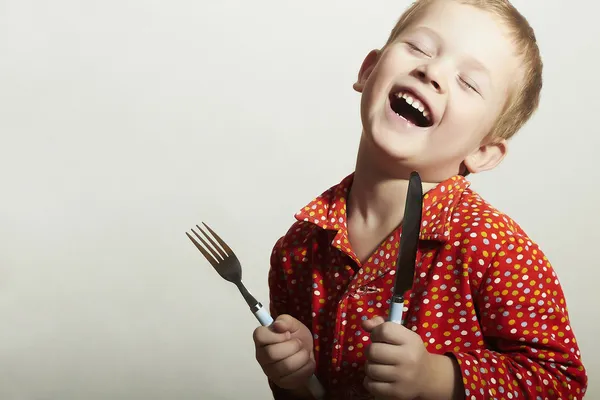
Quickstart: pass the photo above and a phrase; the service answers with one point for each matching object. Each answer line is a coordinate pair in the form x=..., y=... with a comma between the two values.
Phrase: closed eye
x=468, y=85
x=417, y=49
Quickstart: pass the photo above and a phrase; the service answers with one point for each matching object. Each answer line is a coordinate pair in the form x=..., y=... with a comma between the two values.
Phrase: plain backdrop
x=124, y=123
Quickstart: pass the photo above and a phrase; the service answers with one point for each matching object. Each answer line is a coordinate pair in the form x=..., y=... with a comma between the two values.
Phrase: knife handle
x=314, y=386
x=396, y=309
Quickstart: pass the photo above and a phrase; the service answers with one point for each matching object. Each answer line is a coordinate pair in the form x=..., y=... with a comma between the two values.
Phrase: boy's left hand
x=398, y=364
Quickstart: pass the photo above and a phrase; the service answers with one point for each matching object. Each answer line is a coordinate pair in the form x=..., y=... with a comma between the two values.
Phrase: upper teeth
x=413, y=102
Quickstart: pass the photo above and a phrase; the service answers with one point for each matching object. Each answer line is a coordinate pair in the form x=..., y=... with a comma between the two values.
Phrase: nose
x=432, y=75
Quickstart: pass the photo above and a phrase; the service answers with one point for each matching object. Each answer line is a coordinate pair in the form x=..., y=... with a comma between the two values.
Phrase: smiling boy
x=486, y=317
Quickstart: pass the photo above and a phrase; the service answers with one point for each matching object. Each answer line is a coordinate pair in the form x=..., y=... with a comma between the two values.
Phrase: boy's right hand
x=285, y=352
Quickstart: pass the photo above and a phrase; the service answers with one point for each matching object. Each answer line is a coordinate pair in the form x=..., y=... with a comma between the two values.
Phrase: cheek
x=472, y=120
x=379, y=81
x=394, y=64
x=462, y=130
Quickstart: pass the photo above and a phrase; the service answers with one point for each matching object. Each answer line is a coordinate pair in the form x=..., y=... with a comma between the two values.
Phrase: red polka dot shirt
x=483, y=293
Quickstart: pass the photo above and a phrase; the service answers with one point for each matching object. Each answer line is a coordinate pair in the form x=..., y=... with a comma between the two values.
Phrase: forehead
x=470, y=33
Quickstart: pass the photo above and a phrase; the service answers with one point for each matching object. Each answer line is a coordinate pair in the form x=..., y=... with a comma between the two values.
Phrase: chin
x=396, y=142
x=390, y=149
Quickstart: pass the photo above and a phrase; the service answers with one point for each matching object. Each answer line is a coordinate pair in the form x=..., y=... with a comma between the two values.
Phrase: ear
x=365, y=70
x=486, y=157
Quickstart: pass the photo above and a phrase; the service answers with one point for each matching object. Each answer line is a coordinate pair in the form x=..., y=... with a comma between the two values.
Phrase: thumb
x=286, y=323
x=370, y=324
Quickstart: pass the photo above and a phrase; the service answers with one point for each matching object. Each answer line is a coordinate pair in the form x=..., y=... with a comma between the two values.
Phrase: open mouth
x=411, y=108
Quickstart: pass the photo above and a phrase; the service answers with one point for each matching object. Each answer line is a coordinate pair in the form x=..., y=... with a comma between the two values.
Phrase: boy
x=486, y=317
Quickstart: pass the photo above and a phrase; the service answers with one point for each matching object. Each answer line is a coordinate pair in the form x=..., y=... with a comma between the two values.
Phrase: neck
x=377, y=198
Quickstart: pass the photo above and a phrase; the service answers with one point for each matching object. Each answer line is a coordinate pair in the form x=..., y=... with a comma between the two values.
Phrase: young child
x=486, y=317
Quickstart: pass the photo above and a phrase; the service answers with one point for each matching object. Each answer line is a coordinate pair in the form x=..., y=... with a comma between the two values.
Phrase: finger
x=384, y=353
x=287, y=323
x=300, y=375
x=263, y=336
x=370, y=324
x=391, y=333
x=378, y=389
x=289, y=365
x=277, y=352
x=380, y=372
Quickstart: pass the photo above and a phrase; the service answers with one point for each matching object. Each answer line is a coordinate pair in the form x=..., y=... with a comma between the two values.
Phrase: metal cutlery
x=226, y=263
x=407, y=256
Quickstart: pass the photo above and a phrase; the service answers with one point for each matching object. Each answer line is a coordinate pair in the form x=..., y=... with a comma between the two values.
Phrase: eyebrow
x=427, y=30
x=472, y=62
x=478, y=66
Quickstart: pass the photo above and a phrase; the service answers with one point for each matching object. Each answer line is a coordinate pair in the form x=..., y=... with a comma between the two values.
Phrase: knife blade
x=407, y=256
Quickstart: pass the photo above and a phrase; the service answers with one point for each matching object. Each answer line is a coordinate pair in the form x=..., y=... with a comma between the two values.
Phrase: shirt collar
x=328, y=211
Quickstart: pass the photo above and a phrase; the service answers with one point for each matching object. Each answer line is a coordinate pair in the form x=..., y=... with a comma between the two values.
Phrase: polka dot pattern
x=483, y=293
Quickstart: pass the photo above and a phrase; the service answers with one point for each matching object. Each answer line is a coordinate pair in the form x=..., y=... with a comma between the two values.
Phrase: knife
x=407, y=256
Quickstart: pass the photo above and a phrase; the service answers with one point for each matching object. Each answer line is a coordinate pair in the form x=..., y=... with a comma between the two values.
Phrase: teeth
x=413, y=102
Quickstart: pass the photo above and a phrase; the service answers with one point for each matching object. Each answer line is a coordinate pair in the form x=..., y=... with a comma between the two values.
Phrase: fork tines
x=214, y=253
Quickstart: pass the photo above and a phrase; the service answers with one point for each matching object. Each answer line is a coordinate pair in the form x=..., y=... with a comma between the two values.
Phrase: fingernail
x=275, y=325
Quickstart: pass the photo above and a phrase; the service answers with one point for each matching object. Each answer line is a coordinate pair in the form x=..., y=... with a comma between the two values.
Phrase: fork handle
x=314, y=386
x=262, y=315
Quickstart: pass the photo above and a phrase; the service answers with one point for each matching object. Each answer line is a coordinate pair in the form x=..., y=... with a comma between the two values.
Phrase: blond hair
x=524, y=100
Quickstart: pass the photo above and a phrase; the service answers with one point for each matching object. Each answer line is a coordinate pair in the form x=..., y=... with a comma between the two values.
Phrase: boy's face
x=432, y=96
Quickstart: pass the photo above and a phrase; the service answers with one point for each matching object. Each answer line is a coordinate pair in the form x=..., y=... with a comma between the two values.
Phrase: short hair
x=524, y=100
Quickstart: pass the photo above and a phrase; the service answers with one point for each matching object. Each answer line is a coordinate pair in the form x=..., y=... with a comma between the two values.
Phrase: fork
x=226, y=263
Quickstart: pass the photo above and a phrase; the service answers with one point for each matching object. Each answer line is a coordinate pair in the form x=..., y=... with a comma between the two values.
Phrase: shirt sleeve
x=278, y=293
x=278, y=302
x=533, y=352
